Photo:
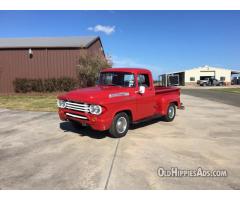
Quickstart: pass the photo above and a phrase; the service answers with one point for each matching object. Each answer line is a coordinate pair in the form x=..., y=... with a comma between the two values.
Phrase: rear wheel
x=120, y=125
x=171, y=113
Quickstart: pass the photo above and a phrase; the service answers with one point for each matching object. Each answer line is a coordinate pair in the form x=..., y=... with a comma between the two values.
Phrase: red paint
x=153, y=102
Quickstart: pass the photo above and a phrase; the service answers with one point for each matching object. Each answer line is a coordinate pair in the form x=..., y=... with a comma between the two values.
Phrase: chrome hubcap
x=171, y=112
x=121, y=124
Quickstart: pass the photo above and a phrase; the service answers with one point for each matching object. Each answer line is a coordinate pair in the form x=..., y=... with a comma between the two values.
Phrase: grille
x=77, y=106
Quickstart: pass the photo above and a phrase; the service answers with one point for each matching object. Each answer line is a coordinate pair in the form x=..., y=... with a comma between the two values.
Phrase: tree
x=89, y=67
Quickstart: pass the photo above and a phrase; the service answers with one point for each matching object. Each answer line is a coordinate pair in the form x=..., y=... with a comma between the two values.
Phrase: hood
x=92, y=94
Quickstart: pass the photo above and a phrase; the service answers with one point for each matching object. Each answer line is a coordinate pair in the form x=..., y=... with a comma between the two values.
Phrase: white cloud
x=100, y=28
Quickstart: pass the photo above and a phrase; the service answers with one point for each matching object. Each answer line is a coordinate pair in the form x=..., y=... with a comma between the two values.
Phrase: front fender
x=115, y=108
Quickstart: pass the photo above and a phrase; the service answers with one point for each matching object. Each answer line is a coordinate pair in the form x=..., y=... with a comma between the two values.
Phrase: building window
x=222, y=78
x=192, y=78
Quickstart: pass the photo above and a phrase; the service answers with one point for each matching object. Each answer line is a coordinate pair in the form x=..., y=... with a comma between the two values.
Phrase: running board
x=147, y=119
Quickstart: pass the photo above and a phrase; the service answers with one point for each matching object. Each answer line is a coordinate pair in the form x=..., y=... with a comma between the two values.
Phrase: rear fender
x=165, y=102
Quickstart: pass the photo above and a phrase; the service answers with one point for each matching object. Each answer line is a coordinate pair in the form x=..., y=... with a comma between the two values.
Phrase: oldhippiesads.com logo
x=199, y=172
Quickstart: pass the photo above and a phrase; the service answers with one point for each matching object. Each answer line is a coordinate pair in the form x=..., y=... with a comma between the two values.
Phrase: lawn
x=32, y=102
x=229, y=90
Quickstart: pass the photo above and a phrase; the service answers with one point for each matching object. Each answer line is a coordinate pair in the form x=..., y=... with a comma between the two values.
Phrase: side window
x=222, y=78
x=143, y=80
x=192, y=78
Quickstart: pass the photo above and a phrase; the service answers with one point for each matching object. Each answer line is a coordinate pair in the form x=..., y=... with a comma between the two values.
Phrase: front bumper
x=96, y=122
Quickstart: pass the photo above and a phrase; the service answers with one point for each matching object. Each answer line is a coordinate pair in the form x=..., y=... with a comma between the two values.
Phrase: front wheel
x=171, y=113
x=120, y=125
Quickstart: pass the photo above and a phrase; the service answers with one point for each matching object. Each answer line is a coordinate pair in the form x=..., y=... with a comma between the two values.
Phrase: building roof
x=51, y=42
x=235, y=72
x=202, y=68
x=207, y=68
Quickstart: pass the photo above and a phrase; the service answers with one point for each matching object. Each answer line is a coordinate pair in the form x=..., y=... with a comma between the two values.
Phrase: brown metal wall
x=96, y=49
x=45, y=63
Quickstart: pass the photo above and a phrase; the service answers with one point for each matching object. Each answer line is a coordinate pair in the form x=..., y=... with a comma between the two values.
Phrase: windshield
x=122, y=79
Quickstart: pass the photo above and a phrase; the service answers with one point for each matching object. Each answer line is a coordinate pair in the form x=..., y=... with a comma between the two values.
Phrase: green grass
x=31, y=102
x=229, y=90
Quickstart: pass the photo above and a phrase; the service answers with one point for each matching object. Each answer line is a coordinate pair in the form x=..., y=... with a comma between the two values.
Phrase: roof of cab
x=132, y=70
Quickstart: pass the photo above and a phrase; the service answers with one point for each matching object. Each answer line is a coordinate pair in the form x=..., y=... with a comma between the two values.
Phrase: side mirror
x=141, y=89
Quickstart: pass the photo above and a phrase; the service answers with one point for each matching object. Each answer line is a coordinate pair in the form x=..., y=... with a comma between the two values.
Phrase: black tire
x=114, y=131
x=204, y=84
x=170, y=117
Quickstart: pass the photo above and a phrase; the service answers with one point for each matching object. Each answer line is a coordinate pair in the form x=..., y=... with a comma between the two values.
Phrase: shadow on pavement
x=87, y=131
x=146, y=123
x=83, y=131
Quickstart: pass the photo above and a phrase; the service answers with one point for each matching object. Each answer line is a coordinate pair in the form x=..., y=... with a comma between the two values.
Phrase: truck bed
x=164, y=95
x=163, y=89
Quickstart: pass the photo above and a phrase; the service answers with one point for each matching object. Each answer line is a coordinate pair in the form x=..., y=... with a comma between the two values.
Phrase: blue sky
x=163, y=41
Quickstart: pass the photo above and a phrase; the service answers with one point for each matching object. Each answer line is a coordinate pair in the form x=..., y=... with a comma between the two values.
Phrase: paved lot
x=218, y=96
x=37, y=151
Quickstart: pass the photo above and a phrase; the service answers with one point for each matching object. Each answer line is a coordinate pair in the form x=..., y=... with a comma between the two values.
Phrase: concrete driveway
x=38, y=151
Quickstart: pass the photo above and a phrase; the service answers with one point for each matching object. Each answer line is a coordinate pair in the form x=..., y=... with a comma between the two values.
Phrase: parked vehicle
x=204, y=82
x=235, y=81
x=123, y=96
x=211, y=82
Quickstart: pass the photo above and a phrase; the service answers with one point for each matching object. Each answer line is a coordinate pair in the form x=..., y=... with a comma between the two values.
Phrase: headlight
x=61, y=103
x=95, y=109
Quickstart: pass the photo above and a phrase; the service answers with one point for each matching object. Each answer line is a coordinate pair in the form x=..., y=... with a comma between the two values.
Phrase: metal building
x=191, y=76
x=43, y=57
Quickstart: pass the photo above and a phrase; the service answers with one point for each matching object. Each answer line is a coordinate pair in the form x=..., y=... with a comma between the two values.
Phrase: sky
x=162, y=41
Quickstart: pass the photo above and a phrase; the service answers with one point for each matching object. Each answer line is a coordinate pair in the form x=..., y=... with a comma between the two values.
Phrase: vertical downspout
x=47, y=63
x=166, y=80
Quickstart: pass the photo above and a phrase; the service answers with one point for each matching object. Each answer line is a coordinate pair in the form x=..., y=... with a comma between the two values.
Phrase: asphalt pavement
x=214, y=95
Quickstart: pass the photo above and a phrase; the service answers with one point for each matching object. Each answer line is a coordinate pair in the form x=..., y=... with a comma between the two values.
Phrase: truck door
x=145, y=102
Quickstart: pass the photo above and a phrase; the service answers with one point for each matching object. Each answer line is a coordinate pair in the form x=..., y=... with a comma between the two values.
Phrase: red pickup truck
x=123, y=96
